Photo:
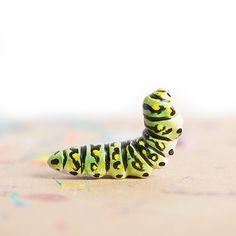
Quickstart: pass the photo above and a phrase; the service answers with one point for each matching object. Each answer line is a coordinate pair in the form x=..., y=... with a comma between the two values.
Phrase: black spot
x=54, y=161
x=119, y=176
x=116, y=164
x=57, y=169
x=96, y=175
x=172, y=111
x=179, y=131
x=73, y=173
x=171, y=152
x=162, y=163
x=145, y=175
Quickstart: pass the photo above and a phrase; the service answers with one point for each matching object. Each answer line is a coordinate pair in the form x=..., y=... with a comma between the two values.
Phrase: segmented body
x=137, y=157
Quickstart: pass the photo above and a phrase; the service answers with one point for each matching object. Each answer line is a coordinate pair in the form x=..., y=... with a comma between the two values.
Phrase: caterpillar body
x=137, y=157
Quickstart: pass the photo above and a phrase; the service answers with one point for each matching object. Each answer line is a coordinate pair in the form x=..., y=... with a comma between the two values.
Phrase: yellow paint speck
x=41, y=159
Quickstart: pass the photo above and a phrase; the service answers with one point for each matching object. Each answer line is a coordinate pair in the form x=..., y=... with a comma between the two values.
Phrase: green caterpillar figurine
x=137, y=157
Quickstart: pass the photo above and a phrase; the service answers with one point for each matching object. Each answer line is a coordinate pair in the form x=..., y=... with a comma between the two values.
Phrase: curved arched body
x=137, y=157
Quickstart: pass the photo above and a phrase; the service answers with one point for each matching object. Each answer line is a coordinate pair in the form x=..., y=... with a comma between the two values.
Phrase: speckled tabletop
x=194, y=195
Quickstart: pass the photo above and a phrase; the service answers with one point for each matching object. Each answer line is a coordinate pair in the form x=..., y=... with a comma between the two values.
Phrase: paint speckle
x=46, y=197
x=16, y=200
x=3, y=216
x=70, y=185
x=58, y=182
x=41, y=160
x=185, y=143
x=61, y=226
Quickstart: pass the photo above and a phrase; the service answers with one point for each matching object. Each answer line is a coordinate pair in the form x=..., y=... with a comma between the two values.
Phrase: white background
x=98, y=57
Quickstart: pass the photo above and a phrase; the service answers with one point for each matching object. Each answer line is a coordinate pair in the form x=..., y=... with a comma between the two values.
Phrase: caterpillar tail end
x=55, y=161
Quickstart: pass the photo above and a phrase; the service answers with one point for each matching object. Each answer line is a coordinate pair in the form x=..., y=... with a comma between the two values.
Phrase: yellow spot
x=116, y=145
x=72, y=166
x=144, y=152
x=154, y=158
x=141, y=143
x=155, y=107
x=76, y=156
x=116, y=156
x=162, y=94
x=162, y=145
x=159, y=93
x=94, y=167
x=137, y=164
x=159, y=127
x=96, y=152
x=119, y=166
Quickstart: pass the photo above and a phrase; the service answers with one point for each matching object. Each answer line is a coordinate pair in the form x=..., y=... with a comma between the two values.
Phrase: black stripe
x=150, y=133
x=75, y=162
x=159, y=147
x=148, y=107
x=74, y=150
x=136, y=160
x=83, y=151
x=167, y=131
x=159, y=150
x=154, y=96
x=156, y=118
x=124, y=154
x=64, y=158
x=107, y=156
x=139, y=151
x=93, y=147
x=153, y=128
x=154, y=149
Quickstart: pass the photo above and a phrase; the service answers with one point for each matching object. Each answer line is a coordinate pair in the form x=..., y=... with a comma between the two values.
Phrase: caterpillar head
x=159, y=103
x=55, y=161
x=161, y=115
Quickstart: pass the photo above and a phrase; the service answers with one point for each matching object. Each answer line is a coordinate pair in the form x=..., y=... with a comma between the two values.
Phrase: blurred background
x=100, y=58
x=75, y=73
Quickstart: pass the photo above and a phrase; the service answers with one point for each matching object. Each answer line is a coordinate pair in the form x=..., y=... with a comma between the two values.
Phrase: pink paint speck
x=46, y=197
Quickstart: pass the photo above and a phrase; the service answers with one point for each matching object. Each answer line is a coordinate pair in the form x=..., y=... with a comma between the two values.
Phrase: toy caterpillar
x=137, y=157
